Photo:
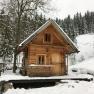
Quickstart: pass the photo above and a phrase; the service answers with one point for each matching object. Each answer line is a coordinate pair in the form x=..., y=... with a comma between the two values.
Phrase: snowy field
x=85, y=58
x=70, y=87
x=85, y=45
x=84, y=67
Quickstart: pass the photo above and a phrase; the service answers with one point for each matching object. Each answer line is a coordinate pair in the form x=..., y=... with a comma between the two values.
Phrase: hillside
x=85, y=58
x=85, y=45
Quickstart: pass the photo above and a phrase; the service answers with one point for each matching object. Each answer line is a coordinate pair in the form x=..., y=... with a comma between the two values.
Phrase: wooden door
x=56, y=62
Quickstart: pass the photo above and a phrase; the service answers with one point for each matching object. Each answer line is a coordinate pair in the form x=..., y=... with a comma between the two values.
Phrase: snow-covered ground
x=8, y=75
x=85, y=45
x=71, y=87
x=84, y=66
x=85, y=58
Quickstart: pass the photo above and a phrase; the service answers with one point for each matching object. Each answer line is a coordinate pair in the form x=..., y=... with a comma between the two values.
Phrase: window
x=41, y=59
x=47, y=37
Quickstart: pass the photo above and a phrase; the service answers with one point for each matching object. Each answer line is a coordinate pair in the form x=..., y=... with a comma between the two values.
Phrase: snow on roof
x=38, y=30
x=57, y=27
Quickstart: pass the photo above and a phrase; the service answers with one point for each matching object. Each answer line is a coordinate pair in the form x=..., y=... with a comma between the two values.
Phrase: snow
x=20, y=57
x=1, y=61
x=85, y=58
x=70, y=87
x=40, y=65
x=11, y=76
x=85, y=45
x=84, y=66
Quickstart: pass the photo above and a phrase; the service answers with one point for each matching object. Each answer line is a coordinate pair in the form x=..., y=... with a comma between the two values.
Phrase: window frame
x=44, y=40
x=37, y=59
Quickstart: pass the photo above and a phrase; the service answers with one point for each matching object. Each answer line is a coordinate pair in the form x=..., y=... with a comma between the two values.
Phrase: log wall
x=54, y=52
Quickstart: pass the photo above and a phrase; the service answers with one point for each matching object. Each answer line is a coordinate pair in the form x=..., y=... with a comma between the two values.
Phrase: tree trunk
x=14, y=64
x=17, y=43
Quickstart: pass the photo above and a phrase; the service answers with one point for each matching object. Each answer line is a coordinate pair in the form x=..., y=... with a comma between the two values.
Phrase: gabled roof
x=44, y=26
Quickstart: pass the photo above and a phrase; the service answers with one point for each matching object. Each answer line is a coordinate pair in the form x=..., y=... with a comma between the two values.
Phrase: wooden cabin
x=45, y=51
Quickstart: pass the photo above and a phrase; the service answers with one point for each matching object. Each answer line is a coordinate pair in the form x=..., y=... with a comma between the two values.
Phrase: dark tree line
x=78, y=24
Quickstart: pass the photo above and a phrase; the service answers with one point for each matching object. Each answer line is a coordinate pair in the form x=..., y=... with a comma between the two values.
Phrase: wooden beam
x=67, y=64
x=52, y=46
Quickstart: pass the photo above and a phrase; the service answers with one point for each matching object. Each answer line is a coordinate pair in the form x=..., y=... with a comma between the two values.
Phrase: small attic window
x=47, y=37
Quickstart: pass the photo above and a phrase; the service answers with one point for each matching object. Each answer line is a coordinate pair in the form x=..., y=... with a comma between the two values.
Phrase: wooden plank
x=34, y=81
x=48, y=80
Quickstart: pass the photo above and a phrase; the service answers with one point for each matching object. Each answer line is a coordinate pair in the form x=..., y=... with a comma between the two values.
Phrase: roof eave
x=69, y=41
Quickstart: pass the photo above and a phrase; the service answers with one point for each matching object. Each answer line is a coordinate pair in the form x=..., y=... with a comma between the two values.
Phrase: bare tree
x=15, y=10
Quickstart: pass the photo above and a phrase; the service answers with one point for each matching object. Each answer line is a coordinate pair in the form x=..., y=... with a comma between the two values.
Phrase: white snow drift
x=85, y=58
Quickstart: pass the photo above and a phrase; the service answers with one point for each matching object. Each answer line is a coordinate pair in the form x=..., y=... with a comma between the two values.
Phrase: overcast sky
x=65, y=7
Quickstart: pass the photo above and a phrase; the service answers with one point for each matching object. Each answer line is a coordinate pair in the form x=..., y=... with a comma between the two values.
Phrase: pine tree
x=6, y=36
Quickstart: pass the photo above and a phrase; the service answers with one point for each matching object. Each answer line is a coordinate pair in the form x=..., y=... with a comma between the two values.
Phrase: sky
x=64, y=7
